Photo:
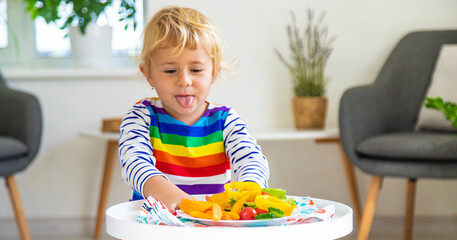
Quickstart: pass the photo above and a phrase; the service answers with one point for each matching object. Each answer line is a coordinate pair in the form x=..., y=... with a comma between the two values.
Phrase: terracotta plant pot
x=309, y=112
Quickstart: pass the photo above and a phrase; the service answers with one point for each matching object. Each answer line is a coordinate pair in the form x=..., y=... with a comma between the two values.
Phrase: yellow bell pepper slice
x=266, y=201
x=189, y=205
x=222, y=199
x=203, y=215
x=233, y=216
x=239, y=204
x=217, y=212
x=225, y=215
x=238, y=189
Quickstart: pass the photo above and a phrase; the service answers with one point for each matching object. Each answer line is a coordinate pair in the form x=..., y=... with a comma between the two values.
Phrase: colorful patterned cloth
x=155, y=212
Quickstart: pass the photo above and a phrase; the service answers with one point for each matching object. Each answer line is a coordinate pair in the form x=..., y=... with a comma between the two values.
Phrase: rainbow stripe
x=197, y=158
x=195, y=151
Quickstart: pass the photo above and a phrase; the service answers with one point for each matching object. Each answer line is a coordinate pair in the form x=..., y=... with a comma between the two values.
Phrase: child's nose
x=184, y=79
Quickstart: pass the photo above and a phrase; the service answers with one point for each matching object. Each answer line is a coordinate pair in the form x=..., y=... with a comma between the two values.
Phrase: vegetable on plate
x=241, y=201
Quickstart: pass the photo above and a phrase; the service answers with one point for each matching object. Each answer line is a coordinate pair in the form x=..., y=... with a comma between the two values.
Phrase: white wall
x=65, y=178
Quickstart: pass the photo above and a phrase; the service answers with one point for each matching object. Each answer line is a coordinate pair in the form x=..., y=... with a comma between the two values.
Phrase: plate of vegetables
x=242, y=204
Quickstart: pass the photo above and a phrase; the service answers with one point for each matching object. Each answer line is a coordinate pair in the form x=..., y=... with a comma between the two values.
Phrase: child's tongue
x=185, y=100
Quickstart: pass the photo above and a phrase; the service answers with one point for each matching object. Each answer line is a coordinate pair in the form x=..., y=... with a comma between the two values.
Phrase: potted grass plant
x=90, y=43
x=310, y=50
x=449, y=109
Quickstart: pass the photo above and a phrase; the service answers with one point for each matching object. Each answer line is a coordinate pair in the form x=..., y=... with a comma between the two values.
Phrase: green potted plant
x=449, y=109
x=82, y=12
x=91, y=44
x=310, y=51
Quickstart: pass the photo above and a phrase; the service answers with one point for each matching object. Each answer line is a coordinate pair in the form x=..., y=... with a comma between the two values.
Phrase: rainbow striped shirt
x=197, y=158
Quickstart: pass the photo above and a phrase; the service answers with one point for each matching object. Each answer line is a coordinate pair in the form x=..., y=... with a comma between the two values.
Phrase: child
x=180, y=144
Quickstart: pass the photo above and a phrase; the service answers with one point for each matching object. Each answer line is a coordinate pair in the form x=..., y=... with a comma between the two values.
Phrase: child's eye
x=196, y=70
x=170, y=71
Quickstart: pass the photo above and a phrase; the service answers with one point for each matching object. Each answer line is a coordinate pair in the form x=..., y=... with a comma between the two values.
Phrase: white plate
x=236, y=223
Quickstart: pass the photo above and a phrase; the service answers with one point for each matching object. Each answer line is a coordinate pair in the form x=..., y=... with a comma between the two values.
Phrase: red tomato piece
x=260, y=211
x=247, y=213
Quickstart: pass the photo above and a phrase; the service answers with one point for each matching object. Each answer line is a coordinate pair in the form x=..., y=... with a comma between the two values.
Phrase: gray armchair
x=20, y=136
x=377, y=123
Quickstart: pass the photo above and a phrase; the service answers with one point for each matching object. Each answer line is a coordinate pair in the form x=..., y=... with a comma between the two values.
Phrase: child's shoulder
x=220, y=110
x=150, y=101
x=214, y=107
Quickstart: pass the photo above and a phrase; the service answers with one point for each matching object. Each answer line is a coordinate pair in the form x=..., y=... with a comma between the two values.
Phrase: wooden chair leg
x=370, y=205
x=352, y=184
x=18, y=209
x=410, y=203
x=111, y=153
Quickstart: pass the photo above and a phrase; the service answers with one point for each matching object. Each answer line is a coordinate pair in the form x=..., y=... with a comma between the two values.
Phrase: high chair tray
x=121, y=223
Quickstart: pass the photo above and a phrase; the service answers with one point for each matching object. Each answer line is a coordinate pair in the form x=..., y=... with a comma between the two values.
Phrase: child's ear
x=214, y=77
x=146, y=74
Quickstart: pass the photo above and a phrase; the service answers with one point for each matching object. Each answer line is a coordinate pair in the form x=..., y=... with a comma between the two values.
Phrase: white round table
x=121, y=223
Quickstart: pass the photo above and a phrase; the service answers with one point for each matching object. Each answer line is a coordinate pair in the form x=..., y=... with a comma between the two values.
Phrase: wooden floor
x=353, y=236
x=345, y=238
x=384, y=228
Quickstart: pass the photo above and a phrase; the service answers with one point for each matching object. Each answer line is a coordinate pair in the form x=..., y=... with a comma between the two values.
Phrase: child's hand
x=165, y=191
x=173, y=202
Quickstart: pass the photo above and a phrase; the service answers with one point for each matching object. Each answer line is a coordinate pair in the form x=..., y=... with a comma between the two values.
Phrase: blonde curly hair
x=181, y=27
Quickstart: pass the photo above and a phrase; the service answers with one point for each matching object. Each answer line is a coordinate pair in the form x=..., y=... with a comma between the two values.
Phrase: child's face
x=182, y=82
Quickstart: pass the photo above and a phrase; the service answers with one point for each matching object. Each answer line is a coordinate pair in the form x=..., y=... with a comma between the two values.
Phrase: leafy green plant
x=449, y=109
x=82, y=12
x=310, y=52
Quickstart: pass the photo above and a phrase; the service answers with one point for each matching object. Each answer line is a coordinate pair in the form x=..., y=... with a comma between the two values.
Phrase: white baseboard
x=382, y=227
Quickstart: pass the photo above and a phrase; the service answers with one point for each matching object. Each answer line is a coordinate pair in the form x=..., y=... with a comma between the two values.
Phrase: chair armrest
x=21, y=118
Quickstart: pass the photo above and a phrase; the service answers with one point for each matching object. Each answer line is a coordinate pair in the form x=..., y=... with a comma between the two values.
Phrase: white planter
x=92, y=49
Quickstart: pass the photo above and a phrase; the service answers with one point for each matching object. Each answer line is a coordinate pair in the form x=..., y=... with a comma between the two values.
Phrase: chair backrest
x=407, y=72
x=21, y=119
x=392, y=102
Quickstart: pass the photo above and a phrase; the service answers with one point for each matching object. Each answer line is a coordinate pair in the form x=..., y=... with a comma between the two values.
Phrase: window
x=28, y=43
x=3, y=25
x=50, y=40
